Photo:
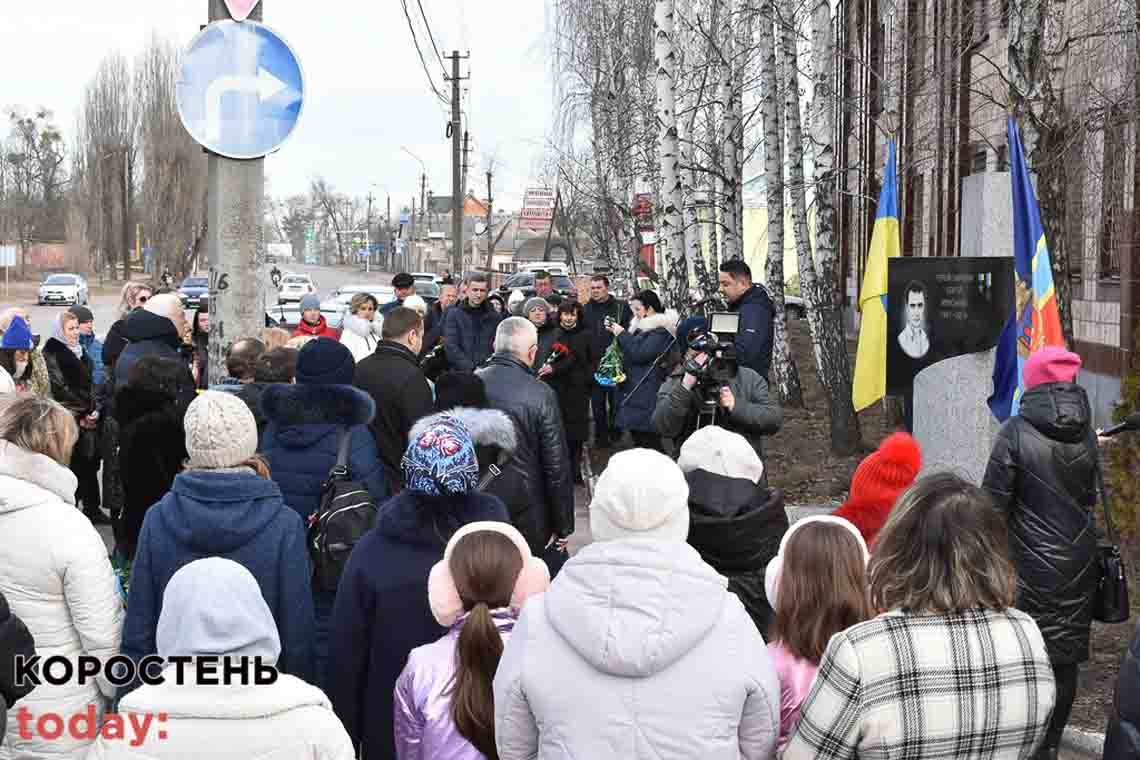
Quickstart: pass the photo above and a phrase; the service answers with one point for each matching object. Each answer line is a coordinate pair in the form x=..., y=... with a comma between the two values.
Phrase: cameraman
x=743, y=404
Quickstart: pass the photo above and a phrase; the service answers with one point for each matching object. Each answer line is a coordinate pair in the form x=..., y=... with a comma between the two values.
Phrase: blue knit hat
x=325, y=361
x=441, y=460
x=687, y=326
x=310, y=301
x=18, y=336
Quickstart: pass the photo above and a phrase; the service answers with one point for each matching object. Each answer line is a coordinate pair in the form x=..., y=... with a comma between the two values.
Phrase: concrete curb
x=1085, y=744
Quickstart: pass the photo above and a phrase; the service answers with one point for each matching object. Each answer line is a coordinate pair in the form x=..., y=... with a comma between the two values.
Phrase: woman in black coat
x=200, y=338
x=1122, y=738
x=71, y=371
x=1041, y=473
x=149, y=411
x=644, y=346
x=570, y=374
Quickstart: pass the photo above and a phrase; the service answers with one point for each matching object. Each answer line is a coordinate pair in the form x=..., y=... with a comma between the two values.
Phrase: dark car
x=524, y=281
x=429, y=291
x=192, y=291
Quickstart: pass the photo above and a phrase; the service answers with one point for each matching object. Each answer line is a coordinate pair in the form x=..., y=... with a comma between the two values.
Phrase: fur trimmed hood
x=668, y=320
x=295, y=405
x=488, y=427
x=362, y=327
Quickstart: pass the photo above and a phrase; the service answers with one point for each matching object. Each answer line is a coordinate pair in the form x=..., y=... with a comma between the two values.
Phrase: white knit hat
x=220, y=431
x=720, y=452
x=641, y=494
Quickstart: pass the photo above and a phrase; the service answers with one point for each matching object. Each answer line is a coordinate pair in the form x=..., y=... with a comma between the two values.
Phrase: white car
x=343, y=295
x=294, y=287
x=64, y=289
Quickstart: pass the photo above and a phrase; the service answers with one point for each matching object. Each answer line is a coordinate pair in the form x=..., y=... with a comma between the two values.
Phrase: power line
x=415, y=40
x=431, y=36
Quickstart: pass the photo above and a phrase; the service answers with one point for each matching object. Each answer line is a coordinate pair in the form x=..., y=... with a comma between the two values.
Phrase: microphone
x=1130, y=423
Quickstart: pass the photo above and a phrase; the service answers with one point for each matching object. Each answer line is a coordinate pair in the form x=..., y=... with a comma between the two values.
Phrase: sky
x=367, y=93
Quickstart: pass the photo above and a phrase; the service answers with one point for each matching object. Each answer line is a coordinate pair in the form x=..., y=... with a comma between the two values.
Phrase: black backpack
x=345, y=514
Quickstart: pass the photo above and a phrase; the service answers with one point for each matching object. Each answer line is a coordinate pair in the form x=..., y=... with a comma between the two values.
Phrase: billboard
x=537, y=211
x=943, y=307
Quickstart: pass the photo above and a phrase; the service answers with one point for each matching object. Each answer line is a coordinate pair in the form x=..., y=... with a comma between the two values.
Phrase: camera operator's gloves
x=689, y=381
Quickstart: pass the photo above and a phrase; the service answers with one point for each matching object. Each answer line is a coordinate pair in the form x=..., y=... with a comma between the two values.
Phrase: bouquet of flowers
x=558, y=352
x=610, y=370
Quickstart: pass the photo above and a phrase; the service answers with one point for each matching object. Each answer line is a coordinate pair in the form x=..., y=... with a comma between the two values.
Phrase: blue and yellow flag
x=871, y=358
x=1036, y=320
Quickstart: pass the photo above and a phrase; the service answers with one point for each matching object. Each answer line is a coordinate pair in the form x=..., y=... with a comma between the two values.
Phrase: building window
x=978, y=166
x=1003, y=158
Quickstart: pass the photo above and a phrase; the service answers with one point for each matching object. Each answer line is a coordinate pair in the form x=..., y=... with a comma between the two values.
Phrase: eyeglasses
x=143, y=299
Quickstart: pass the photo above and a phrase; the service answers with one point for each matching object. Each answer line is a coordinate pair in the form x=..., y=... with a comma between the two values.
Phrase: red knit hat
x=1050, y=365
x=878, y=481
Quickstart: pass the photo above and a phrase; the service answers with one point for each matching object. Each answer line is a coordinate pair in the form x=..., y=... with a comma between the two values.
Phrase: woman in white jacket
x=638, y=651
x=213, y=606
x=54, y=569
x=361, y=329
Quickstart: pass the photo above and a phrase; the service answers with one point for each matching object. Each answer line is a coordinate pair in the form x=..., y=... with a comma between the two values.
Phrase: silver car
x=64, y=289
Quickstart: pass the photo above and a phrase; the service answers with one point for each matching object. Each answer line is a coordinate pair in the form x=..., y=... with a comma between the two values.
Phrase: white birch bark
x=670, y=234
x=785, y=374
x=730, y=230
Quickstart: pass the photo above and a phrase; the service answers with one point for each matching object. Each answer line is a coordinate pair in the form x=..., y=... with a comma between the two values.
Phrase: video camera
x=718, y=344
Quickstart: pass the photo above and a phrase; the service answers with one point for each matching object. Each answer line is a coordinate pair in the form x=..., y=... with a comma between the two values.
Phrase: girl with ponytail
x=444, y=703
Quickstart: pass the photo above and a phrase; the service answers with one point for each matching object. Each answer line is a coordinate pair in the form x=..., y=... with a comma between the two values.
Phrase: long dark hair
x=485, y=566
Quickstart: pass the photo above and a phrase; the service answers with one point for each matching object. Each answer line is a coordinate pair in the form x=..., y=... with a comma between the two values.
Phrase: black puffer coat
x=737, y=526
x=1122, y=739
x=1041, y=472
x=536, y=484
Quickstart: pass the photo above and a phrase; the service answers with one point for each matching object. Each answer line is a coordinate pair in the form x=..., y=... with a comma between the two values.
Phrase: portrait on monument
x=943, y=307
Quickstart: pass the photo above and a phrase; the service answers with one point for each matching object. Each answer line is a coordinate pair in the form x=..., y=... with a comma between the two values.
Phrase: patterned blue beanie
x=441, y=460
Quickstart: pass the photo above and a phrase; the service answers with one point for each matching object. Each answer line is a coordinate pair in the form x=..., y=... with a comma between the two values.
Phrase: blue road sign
x=241, y=89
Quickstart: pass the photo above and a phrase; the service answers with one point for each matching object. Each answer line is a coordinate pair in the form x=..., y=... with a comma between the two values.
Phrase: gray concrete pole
x=238, y=284
x=456, y=179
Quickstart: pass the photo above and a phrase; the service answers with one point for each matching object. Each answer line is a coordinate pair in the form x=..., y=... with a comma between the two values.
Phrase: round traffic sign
x=241, y=89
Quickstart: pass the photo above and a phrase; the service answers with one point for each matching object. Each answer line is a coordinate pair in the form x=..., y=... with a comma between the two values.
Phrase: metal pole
x=456, y=190
x=235, y=194
x=423, y=218
x=391, y=237
x=490, y=234
x=412, y=235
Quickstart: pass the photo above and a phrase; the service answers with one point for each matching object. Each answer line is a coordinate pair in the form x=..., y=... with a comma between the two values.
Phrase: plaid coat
x=972, y=685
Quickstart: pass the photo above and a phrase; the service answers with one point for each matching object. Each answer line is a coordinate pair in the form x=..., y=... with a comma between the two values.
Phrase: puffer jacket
x=641, y=345
x=1041, y=473
x=1122, y=738
x=320, y=330
x=15, y=640
x=359, y=336
x=93, y=347
x=289, y=719
x=57, y=578
x=638, y=650
x=469, y=334
x=424, y=727
x=148, y=334
x=536, y=483
x=736, y=526
x=757, y=329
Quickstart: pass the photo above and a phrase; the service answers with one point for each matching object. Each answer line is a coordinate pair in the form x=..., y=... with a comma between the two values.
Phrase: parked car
x=342, y=296
x=524, y=281
x=425, y=277
x=192, y=290
x=288, y=316
x=64, y=289
x=294, y=287
x=429, y=291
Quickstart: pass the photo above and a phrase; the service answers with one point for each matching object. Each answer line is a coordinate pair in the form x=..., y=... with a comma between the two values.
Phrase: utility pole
x=236, y=191
x=490, y=234
x=412, y=237
x=391, y=237
x=423, y=216
x=463, y=179
x=456, y=178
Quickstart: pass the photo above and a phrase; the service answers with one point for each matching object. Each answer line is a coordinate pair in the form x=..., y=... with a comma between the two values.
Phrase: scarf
x=57, y=333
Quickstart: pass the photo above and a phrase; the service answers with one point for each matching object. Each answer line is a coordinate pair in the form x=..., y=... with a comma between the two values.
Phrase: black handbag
x=1110, y=602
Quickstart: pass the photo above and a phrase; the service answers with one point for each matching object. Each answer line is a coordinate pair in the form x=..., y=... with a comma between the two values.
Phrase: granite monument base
x=952, y=422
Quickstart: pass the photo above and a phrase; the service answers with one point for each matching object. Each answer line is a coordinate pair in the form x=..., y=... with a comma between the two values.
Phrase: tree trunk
x=731, y=223
x=785, y=374
x=1051, y=168
x=829, y=343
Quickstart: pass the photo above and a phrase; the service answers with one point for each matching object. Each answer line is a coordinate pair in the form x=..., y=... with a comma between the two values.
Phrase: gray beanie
x=220, y=431
x=535, y=303
x=310, y=301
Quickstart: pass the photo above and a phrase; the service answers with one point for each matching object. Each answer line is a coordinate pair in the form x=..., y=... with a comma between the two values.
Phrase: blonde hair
x=130, y=292
x=298, y=341
x=39, y=425
x=359, y=300
x=945, y=548
x=274, y=337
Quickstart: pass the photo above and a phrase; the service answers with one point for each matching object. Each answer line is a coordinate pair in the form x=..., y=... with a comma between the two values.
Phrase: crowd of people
x=927, y=617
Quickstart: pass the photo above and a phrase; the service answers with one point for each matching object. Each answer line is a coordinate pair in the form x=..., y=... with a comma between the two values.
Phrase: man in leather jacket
x=536, y=482
x=1042, y=474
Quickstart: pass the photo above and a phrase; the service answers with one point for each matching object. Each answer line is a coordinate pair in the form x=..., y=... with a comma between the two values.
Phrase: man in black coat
x=536, y=483
x=600, y=306
x=404, y=285
x=469, y=327
x=1042, y=474
x=157, y=328
x=393, y=378
x=751, y=301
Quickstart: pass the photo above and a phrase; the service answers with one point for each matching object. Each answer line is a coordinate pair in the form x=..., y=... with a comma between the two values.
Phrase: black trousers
x=1065, y=677
x=603, y=405
x=646, y=440
x=576, y=459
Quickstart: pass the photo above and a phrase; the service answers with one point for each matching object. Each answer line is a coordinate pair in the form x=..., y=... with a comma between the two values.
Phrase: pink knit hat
x=1051, y=364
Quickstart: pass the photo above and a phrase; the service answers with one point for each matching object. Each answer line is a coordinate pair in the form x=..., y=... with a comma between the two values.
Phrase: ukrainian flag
x=1035, y=321
x=871, y=358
